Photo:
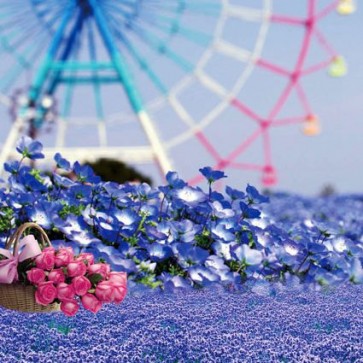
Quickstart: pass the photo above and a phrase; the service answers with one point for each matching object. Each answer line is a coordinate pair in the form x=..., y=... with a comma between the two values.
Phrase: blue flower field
x=213, y=275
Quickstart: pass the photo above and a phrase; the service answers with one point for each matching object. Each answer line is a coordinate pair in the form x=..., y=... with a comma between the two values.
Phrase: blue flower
x=223, y=249
x=175, y=283
x=212, y=175
x=62, y=163
x=191, y=196
x=62, y=181
x=356, y=271
x=246, y=254
x=217, y=266
x=127, y=217
x=254, y=196
x=190, y=255
x=183, y=231
x=203, y=275
x=221, y=232
x=12, y=166
x=44, y=213
x=85, y=174
x=159, y=252
x=174, y=181
x=222, y=210
x=29, y=148
x=235, y=194
x=249, y=212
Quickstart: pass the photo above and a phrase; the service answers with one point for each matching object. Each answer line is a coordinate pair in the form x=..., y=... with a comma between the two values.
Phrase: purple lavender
x=209, y=325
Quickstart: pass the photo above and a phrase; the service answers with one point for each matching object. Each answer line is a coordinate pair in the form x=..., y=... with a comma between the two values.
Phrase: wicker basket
x=20, y=297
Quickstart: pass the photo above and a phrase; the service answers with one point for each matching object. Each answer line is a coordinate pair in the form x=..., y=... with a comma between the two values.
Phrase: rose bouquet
x=61, y=277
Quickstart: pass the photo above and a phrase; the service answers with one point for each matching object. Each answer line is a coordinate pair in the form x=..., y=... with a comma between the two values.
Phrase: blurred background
x=195, y=84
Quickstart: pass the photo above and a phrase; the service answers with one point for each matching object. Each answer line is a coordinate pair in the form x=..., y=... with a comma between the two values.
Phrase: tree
x=117, y=171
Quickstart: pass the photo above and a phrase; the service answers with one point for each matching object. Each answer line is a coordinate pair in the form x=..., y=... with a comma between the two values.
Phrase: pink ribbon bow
x=9, y=267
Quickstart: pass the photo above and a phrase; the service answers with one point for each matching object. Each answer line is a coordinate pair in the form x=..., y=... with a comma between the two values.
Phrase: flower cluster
x=179, y=236
x=60, y=276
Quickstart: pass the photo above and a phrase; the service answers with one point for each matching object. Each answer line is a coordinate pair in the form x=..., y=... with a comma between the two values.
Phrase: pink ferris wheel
x=174, y=85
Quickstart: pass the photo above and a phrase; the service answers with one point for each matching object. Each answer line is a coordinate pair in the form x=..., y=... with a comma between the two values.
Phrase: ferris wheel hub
x=85, y=7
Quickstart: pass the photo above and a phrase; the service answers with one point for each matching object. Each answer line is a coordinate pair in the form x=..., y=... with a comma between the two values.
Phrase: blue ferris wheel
x=144, y=81
x=65, y=44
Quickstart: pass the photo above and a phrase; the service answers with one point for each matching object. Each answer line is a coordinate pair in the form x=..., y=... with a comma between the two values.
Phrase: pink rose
x=120, y=277
x=36, y=275
x=56, y=275
x=105, y=291
x=45, y=260
x=76, y=268
x=119, y=293
x=49, y=249
x=99, y=268
x=69, y=306
x=81, y=285
x=110, y=291
x=46, y=293
x=64, y=256
x=91, y=303
x=65, y=291
x=86, y=256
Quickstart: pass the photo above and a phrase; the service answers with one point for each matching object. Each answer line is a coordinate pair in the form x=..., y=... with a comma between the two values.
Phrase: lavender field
x=198, y=326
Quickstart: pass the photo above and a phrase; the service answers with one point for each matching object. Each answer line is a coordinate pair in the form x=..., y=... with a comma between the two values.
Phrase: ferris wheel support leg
x=131, y=90
x=8, y=146
x=162, y=160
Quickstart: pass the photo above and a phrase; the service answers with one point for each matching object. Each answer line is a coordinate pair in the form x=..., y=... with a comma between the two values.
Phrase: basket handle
x=15, y=237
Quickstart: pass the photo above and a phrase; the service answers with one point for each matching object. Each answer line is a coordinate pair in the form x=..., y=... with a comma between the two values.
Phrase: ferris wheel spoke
x=211, y=84
x=159, y=46
x=71, y=49
x=12, y=19
x=273, y=67
x=232, y=51
x=140, y=59
x=266, y=147
x=93, y=57
x=170, y=27
x=28, y=58
x=288, y=121
x=290, y=20
x=303, y=99
x=208, y=146
x=43, y=10
x=30, y=32
x=19, y=57
x=73, y=54
x=23, y=61
x=157, y=23
x=123, y=11
x=181, y=111
x=325, y=11
x=245, y=109
x=210, y=8
x=245, y=13
x=324, y=43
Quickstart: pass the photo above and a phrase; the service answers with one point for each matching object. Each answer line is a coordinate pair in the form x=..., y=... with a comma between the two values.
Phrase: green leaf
x=95, y=278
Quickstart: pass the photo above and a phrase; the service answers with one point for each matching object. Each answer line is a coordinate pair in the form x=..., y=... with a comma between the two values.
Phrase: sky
x=304, y=164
